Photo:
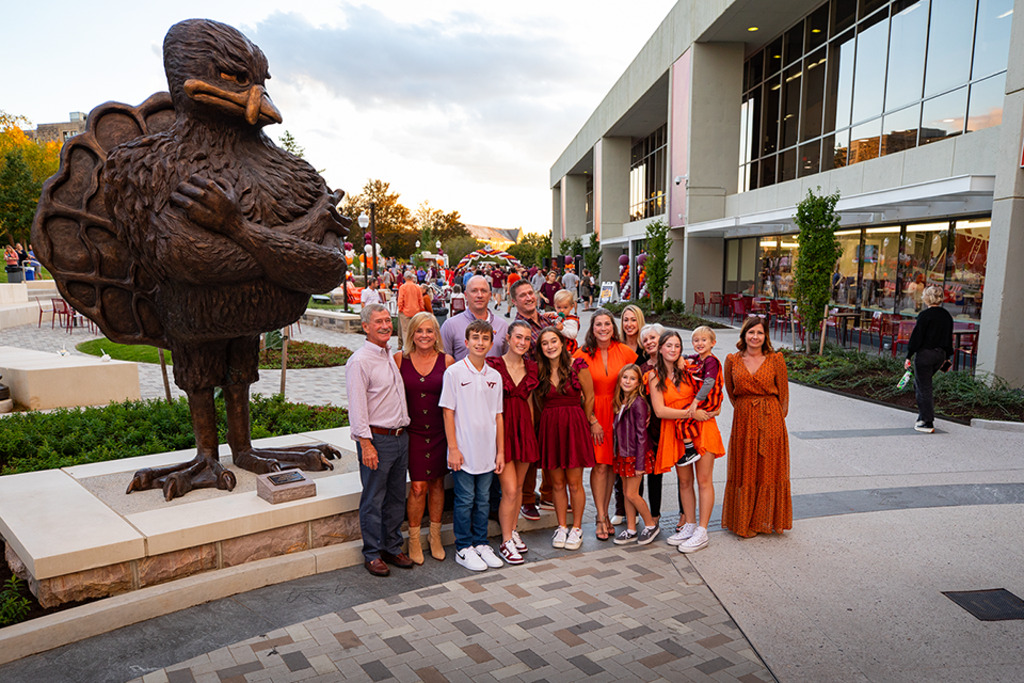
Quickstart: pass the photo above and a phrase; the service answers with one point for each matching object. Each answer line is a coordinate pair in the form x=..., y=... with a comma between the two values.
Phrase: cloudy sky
x=463, y=104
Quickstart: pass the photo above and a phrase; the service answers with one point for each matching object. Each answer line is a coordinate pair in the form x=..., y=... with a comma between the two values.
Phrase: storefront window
x=965, y=286
x=844, y=279
x=924, y=263
x=881, y=267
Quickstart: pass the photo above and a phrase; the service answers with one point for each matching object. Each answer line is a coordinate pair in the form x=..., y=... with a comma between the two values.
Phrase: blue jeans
x=472, y=501
x=382, y=502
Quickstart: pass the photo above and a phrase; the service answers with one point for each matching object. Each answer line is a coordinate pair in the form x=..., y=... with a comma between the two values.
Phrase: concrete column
x=714, y=148
x=611, y=193
x=557, y=216
x=1001, y=344
x=574, y=206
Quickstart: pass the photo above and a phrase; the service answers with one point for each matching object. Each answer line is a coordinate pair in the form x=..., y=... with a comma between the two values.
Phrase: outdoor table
x=958, y=334
x=842, y=320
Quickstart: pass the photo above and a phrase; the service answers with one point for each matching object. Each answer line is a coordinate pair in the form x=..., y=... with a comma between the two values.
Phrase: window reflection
x=924, y=263
x=943, y=116
x=907, y=38
x=814, y=95
x=899, y=129
x=839, y=95
x=986, y=105
x=992, y=41
x=869, y=77
x=881, y=261
x=808, y=158
x=965, y=286
x=949, y=45
x=864, y=141
x=844, y=279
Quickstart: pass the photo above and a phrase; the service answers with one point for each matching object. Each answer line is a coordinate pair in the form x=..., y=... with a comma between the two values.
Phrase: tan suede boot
x=415, y=546
x=436, y=547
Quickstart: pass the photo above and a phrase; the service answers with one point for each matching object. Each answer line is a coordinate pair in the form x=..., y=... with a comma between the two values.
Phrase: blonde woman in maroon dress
x=519, y=379
x=565, y=398
x=422, y=363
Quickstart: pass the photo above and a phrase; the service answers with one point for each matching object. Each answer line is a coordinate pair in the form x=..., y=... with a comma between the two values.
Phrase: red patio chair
x=698, y=300
x=903, y=331
x=738, y=309
x=43, y=310
x=716, y=300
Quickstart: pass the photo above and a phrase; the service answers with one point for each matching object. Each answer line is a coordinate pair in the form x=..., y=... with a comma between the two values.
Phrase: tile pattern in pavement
x=619, y=614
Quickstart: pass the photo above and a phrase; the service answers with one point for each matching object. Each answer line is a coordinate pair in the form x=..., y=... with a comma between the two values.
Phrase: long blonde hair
x=621, y=400
x=414, y=324
x=638, y=313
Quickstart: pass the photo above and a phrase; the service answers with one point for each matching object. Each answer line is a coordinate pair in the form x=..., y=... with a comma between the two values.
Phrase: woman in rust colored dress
x=757, y=496
x=605, y=355
x=565, y=399
x=422, y=363
x=518, y=379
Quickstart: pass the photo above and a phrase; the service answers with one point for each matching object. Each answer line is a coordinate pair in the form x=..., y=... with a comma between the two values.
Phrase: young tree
x=19, y=195
x=819, y=250
x=592, y=257
x=394, y=225
x=659, y=264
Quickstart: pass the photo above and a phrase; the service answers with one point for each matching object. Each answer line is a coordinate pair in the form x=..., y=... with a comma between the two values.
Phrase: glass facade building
x=859, y=79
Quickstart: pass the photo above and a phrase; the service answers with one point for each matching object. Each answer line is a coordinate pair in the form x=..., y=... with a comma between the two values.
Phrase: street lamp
x=373, y=235
x=364, y=222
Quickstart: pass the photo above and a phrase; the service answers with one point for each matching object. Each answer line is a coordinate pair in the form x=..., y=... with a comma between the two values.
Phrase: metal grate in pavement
x=995, y=604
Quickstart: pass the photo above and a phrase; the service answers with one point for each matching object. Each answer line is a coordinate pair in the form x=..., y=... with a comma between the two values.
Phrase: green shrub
x=40, y=441
x=14, y=607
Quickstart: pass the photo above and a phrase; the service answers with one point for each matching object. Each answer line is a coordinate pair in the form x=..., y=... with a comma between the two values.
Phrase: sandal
x=602, y=529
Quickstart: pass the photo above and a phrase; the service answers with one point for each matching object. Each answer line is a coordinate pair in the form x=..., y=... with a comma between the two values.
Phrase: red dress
x=428, y=445
x=563, y=433
x=520, y=437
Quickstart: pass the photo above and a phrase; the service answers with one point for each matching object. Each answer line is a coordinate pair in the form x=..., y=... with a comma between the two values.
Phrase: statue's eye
x=236, y=78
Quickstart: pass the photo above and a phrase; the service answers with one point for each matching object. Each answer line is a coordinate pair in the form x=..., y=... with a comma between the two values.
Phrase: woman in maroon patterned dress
x=565, y=398
x=519, y=379
x=422, y=363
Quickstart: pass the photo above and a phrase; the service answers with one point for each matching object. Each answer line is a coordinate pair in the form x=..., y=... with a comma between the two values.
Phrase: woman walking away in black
x=931, y=346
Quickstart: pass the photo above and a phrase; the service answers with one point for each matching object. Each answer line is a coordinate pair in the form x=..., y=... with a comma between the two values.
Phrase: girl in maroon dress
x=422, y=363
x=519, y=379
x=565, y=399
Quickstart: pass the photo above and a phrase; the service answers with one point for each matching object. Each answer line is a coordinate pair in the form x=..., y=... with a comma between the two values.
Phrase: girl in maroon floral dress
x=519, y=379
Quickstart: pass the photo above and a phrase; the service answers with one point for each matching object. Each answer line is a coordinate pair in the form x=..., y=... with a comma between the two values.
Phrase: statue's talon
x=226, y=480
x=329, y=451
x=177, y=484
x=142, y=480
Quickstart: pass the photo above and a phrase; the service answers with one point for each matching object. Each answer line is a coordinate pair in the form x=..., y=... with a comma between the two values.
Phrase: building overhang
x=958, y=196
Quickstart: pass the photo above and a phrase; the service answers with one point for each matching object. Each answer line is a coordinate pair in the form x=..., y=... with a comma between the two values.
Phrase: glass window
x=767, y=171
x=985, y=108
x=647, y=176
x=755, y=70
x=773, y=57
x=869, y=80
x=835, y=150
x=752, y=175
x=787, y=164
x=817, y=28
x=943, y=116
x=839, y=93
x=788, y=251
x=770, y=118
x=992, y=40
x=844, y=279
x=949, y=45
x=881, y=260
x=899, y=129
x=844, y=13
x=906, y=53
x=966, y=284
x=793, y=44
x=864, y=141
x=869, y=6
x=791, y=104
x=924, y=263
x=768, y=265
x=808, y=158
x=814, y=95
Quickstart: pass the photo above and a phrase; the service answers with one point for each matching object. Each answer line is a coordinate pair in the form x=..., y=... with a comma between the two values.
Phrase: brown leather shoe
x=400, y=560
x=377, y=567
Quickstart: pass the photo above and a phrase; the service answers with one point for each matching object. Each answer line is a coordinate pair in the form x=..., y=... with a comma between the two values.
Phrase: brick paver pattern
x=622, y=614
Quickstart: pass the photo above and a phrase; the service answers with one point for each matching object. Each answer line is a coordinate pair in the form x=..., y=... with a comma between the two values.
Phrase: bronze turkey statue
x=178, y=223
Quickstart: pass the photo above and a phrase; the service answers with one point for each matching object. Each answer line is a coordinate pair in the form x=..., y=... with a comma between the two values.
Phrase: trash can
x=15, y=274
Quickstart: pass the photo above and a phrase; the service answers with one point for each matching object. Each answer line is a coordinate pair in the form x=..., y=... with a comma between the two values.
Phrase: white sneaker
x=575, y=539
x=683, y=534
x=509, y=553
x=468, y=558
x=520, y=546
x=486, y=553
x=617, y=520
x=558, y=540
x=698, y=541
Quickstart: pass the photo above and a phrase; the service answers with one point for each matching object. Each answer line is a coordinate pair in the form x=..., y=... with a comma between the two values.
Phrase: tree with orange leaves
x=24, y=165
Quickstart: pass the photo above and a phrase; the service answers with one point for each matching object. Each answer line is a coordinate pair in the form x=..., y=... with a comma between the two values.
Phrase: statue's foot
x=315, y=458
x=177, y=480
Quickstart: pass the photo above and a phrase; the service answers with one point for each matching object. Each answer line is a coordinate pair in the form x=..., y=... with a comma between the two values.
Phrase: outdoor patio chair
x=903, y=330
x=43, y=310
x=62, y=313
x=698, y=300
x=715, y=299
x=874, y=327
x=738, y=309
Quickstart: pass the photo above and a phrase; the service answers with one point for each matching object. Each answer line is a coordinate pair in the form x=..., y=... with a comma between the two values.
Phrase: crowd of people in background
x=492, y=398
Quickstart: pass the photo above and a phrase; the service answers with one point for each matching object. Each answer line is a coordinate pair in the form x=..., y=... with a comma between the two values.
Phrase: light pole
x=373, y=235
x=364, y=221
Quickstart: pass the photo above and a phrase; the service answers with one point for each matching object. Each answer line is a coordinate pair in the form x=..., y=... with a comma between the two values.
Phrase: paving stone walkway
x=625, y=613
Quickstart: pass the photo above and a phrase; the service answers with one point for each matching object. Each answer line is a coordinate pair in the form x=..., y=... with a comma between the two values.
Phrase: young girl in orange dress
x=672, y=396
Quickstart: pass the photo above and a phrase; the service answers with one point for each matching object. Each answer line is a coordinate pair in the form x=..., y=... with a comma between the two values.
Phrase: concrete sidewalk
x=886, y=519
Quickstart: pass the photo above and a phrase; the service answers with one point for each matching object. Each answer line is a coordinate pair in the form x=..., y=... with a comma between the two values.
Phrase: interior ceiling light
x=815, y=30
x=751, y=28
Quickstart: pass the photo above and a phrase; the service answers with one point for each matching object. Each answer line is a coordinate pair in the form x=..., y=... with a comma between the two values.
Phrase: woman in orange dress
x=757, y=496
x=605, y=355
x=671, y=397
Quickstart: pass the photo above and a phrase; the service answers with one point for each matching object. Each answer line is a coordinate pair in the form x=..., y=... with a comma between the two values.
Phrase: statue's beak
x=254, y=104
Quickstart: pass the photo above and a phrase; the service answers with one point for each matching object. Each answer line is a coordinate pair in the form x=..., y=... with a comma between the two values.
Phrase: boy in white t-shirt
x=472, y=403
